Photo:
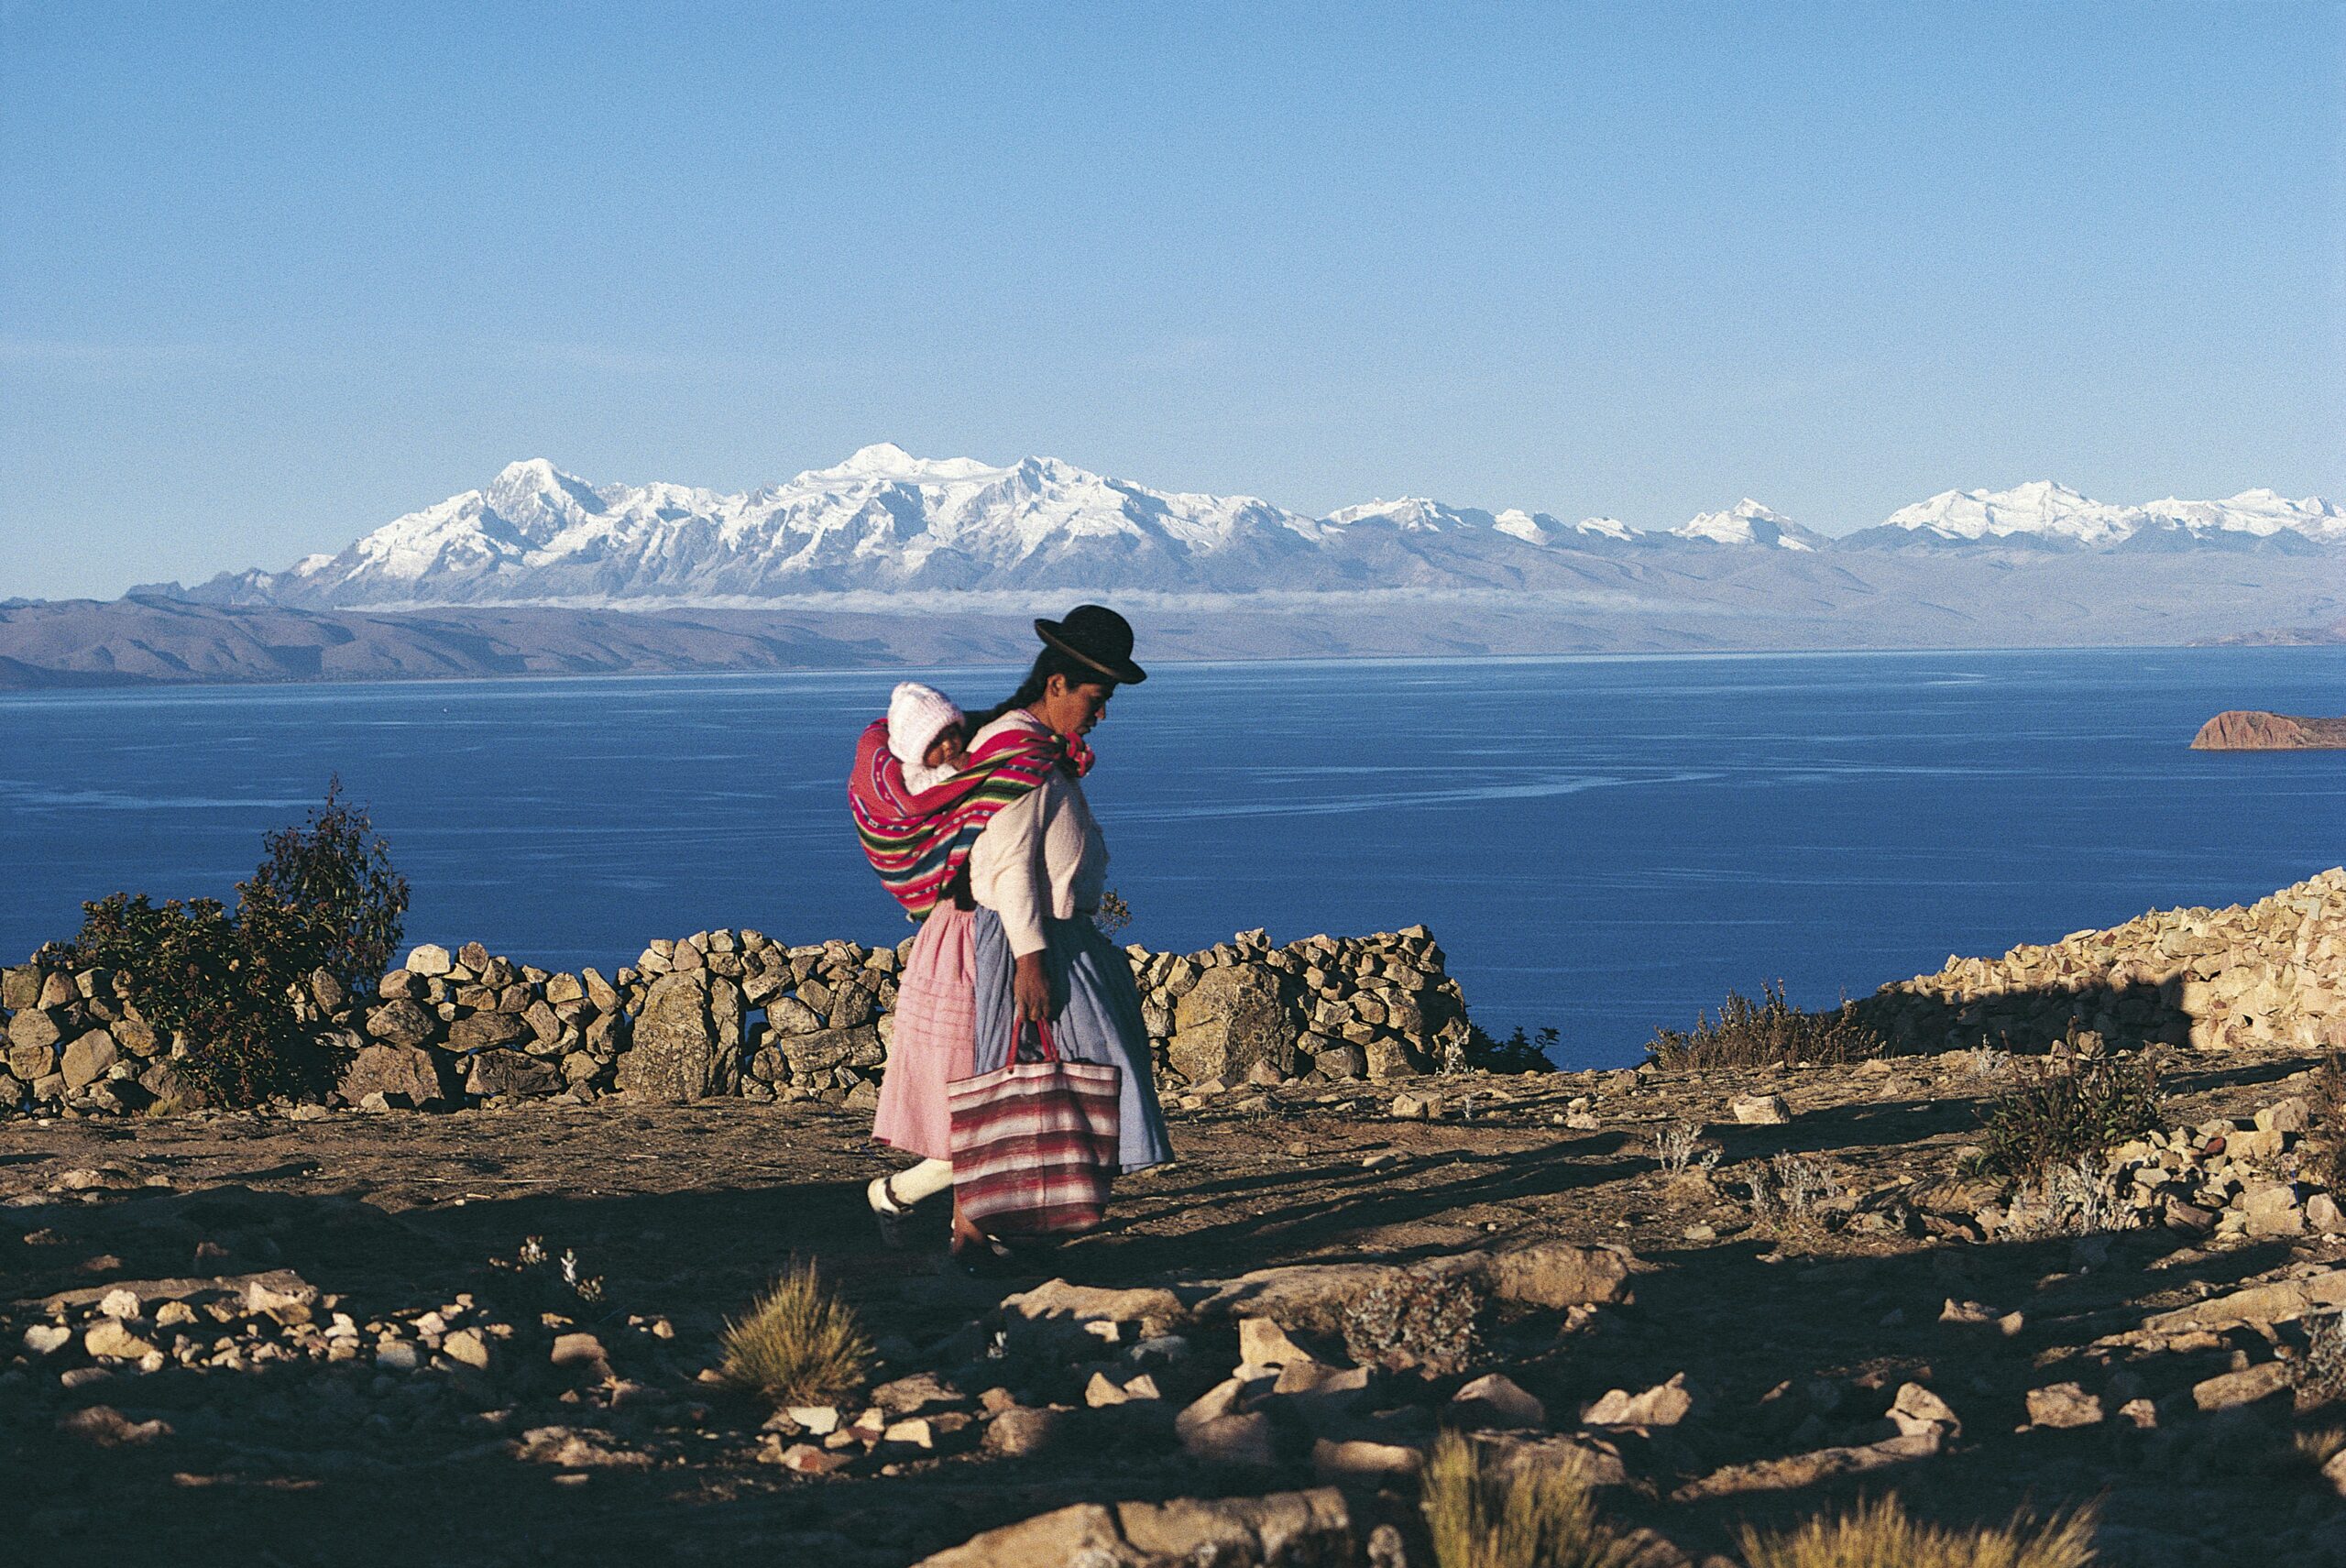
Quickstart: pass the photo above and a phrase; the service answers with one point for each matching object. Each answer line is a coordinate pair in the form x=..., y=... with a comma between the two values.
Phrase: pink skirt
x=933, y=1040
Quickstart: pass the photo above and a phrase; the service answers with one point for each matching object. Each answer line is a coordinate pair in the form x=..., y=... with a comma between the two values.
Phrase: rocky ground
x=331, y=1337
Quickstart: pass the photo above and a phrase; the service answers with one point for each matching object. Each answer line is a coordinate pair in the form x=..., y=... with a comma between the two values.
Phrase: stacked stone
x=473, y=1023
x=1325, y=1007
x=2228, y=1178
x=74, y=1038
x=821, y=1029
x=737, y=1012
x=2233, y=1178
x=2269, y=974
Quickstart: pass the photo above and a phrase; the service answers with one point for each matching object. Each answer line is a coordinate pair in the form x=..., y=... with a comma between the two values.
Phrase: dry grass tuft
x=1791, y=1189
x=1768, y=1033
x=1879, y=1534
x=1536, y=1518
x=799, y=1343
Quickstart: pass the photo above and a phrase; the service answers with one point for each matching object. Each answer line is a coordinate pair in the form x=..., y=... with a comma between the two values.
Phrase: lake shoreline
x=155, y=642
x=1606, y=843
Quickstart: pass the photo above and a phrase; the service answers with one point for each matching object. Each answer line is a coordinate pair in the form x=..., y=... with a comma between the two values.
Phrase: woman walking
x=1002, y=863
x=1037, y=875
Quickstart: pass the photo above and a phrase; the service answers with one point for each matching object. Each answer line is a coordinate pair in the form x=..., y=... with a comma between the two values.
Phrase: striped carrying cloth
x=1035, y=1143
x=918, y=842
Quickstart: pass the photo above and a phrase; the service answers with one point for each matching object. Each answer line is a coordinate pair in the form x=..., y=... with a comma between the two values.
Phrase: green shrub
x=2070, y=1109
x=229, y=985
x=334, y=876
x=1542, y=1517
x=1518, y=1053
x=1768, y=1033
x=1879, y=1534
x=800, y=1344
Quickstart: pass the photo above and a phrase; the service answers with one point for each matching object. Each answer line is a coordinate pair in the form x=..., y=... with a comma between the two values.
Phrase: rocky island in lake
x=2242, y=730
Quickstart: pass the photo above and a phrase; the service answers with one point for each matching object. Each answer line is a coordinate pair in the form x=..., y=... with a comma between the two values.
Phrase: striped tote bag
x=1035, y=1143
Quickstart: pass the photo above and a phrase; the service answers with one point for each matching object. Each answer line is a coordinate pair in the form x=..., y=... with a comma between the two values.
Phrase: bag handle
x=1042, y=1039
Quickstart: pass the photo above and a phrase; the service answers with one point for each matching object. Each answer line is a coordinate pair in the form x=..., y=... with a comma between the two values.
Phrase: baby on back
x=927, y=734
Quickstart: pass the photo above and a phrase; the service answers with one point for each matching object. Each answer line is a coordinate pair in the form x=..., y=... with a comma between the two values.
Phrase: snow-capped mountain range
x=889, y=522
x=2047, y=515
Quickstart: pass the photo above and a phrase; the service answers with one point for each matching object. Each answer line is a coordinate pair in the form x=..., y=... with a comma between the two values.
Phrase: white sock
x=922, y=1182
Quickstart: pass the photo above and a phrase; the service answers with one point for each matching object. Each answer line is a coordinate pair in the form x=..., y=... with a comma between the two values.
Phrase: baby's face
x=949, y=750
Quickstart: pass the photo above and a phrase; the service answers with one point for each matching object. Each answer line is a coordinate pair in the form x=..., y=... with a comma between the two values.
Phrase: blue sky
x=270, y=276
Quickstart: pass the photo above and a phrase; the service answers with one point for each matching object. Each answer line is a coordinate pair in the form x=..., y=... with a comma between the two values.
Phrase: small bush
x=1679, y=1149
x=2069, y=1109
x=1113, y=914
x=334, y=876
x=561, y=1282
x=1432, y=1322
x=2078, y=1199
x=1879, y=1534
x=800, y=1344
x=1676, y=1146
x=1988, y=1062
x=227, y=985
x=189, y=971
x=1518, y=1053
x=1790, y=1189
x=1768, y=1033
x=1538, y=1518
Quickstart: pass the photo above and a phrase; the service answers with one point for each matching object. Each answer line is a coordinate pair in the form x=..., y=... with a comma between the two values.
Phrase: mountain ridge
x=885, y=521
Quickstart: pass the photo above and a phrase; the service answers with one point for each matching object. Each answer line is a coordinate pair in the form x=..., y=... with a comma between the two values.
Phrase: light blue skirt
x=1095, y=1017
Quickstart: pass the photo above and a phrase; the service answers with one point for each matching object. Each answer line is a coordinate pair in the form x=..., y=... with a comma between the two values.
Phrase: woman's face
x=1074, y=709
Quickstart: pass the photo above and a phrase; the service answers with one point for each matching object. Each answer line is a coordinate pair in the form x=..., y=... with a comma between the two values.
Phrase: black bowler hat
x=1100, y=638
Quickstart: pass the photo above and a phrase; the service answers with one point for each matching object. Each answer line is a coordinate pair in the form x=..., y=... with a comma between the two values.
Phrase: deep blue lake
x=1602, y=844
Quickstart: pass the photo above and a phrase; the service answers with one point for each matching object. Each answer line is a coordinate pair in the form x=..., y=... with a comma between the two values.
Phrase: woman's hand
x=1030, y=988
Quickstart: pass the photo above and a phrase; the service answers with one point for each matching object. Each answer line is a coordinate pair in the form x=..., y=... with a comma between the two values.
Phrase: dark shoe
x=893, y=1216
x=983, y=1259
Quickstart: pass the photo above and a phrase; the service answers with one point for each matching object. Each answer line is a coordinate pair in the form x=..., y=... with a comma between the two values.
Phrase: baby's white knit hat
x=915, y=714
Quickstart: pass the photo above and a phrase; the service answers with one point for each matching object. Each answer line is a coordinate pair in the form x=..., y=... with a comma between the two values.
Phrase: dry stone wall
x=734, y=1013
x=2268, y=973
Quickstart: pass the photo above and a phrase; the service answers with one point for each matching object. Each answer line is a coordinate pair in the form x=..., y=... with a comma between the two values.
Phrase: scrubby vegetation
x=562, y=1282
x=1770, y=1032
x=334, y=876
x=237, y=987
x=1520, y=1052
x=1113, y=914
x=1880, y=1534
x=1481, y=1515
x=1790, y=1189
x=1424, y=1320
x=2069, y=1109
x=1540, y=1518
x=798, y=1344
x=2320, y=1373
